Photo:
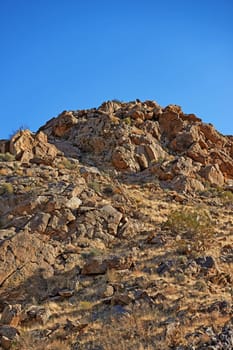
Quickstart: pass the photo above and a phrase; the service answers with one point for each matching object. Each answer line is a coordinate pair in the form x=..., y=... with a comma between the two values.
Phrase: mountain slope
x=116, y=231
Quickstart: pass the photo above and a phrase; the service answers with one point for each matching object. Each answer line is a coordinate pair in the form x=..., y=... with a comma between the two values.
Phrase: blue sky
x=69, y=54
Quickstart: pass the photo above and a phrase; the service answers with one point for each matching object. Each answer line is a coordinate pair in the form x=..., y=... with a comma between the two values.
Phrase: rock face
x=29, y=147
x=135, y=136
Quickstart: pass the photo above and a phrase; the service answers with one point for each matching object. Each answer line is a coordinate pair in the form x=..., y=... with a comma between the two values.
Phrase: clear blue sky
x=73, y=54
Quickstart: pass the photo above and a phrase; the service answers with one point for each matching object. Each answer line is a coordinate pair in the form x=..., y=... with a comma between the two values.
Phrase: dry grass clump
x=6, y=157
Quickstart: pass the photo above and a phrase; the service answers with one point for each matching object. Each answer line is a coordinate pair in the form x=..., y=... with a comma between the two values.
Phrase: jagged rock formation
x=178, y=148
x=86, y=226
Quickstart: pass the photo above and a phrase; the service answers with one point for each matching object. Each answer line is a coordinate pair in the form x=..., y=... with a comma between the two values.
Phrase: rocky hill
x=116, y=232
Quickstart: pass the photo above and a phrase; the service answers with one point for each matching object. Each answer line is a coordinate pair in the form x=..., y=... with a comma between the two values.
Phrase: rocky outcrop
x=27, y=146
x=132, y=137
x=135, y=136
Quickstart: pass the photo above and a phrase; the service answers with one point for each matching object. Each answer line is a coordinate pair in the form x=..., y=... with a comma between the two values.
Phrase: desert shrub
x=6, y=188
x=6, y=157
x=226, y=196
x=20, y=128
x=94, y=185
x=127, y=120
x=67, y=164
x=200, y=285
x=193, y=229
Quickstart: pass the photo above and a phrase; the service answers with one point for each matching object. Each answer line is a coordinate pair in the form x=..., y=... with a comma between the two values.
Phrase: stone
x=164, y=267
x=112, y=218
x=39, y=222
x=66, y=293
x=27, y=146
x=122, y=298
x=37, y=314
x=8, y=335
x=181, y=183
x=106, y=291
x=207, y=262
x=170, y=124
x=212, y=174
x=94, y=267
x=73, y=203
x=11, y=315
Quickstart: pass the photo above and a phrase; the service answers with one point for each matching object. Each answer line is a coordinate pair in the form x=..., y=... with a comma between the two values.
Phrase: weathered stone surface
x=39, y=222
x=212, y=174
x=61, y=125
x=7, y=335
x=36, y=315
x=100, y=266
x=23, y=256
x=27, y=146
x=170, y=124
x=182, y=183
x=95, y=266
x=11, y=315
x=73, y=203
x=112, y=218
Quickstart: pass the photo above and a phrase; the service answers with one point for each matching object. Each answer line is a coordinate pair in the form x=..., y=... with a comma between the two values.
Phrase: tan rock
x=185, y=139
x=100, y=266
x=212, y=174
x=61, y=125
x=26, y=146
x=21, y=142
x=73, y=203
x=39, y=222
x=181, y=183
x=170, y=124
x=94, y=266
x=112, y=218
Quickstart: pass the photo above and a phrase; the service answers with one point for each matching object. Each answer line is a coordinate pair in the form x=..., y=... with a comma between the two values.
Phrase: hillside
x=116, y=232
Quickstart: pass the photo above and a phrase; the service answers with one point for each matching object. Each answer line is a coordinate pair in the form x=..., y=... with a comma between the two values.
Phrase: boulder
x=212, y=174
x=98, y=265
x=27, y=146
x=170, y=124
x=11, y=315
x=73, y=203
x=8, y=335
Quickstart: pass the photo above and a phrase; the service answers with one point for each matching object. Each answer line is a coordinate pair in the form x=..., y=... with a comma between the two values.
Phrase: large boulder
x=27, y=146
x=212, y=174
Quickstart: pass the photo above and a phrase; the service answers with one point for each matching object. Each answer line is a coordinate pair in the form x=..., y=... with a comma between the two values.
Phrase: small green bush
x=94, y=185
x=193, y=229
x=6, y=188
x=226, y=196
x=127, y=121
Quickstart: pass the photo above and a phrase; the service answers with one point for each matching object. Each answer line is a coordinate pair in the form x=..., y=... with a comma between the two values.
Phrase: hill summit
x=141, y=138
x=116, y=232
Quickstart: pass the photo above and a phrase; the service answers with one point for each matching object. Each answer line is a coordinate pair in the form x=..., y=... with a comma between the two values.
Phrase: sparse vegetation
x=193, y=229
x=127, y=121
x=20, y=128
x=94, y=185
x=6, y=157
x=67, y=164
x=6, y=188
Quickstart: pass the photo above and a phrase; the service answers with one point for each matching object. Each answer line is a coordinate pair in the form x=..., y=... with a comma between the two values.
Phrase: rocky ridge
x=116, y=223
